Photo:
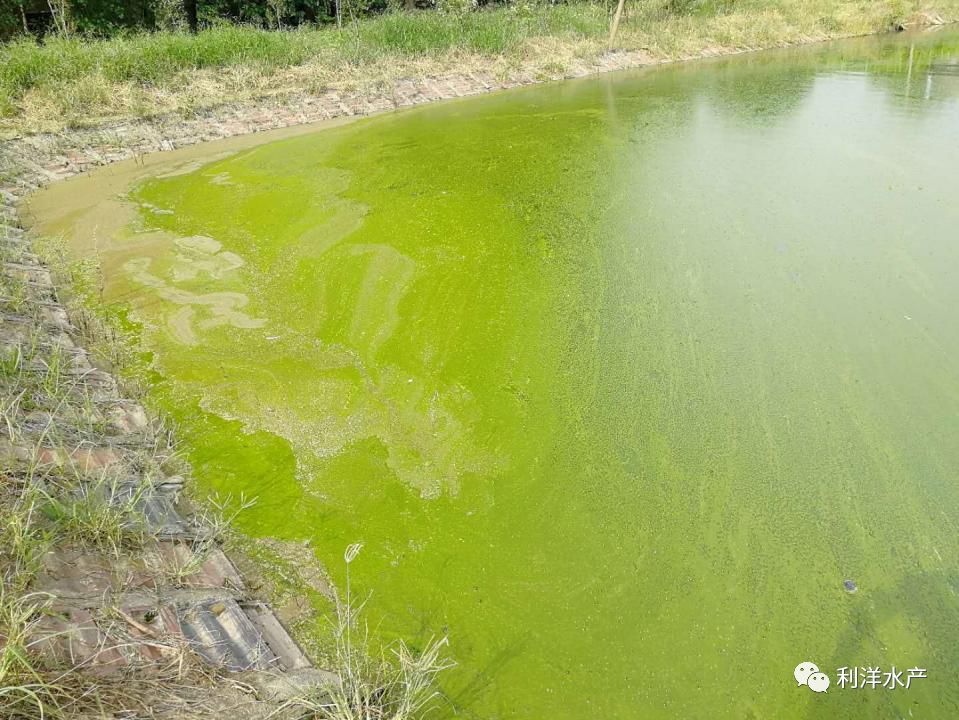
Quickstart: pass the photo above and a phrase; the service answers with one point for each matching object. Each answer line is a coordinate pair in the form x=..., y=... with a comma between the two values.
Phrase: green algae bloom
x=616, y=380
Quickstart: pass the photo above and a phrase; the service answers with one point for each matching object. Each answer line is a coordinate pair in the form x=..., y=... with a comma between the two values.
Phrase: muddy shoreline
x=30, y=162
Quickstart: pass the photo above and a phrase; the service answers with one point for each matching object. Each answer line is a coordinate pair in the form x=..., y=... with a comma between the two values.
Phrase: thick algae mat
x=617, y=380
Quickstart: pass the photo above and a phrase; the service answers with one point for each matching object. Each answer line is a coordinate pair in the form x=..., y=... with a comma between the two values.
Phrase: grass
x=23, y=690
x=36, y=688
x=101, y=512
x=215, y=518
x=39, y=512
x=75, y=82
x=395, y=683
x=13, y=293
x=50, y=500
x=42, y=509
x=24, y=542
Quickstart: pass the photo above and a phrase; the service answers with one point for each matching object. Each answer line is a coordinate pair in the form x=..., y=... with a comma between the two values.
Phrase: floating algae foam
x=623, y=383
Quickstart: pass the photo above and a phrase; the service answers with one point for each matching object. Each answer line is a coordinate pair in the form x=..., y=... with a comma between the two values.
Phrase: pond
x=643, y=388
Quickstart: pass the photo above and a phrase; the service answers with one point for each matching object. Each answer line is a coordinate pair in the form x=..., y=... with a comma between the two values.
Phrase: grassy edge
x=73, y=83
x=52, y=497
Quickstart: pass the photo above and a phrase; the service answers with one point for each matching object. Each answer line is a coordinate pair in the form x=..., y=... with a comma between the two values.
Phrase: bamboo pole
x=615, y=26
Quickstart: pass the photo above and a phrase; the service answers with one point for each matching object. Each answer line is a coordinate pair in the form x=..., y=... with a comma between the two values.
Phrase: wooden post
x=615, y=25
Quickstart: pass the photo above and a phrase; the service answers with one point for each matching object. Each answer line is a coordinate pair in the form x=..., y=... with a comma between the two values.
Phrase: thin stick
x=616, y=18
x=138, y=625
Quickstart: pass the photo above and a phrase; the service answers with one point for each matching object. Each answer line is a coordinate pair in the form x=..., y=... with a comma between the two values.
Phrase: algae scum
x=618, y=381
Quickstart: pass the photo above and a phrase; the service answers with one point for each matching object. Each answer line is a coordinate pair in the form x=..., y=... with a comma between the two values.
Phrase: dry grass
x=215, y=519
x=395, y=683
x=51, y=498
x=73, y=83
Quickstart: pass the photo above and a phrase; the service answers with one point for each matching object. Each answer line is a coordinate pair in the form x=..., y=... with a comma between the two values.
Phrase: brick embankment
x=70, y=436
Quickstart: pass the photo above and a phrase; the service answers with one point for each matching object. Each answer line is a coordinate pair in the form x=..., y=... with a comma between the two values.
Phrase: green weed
x=14, y=293
x=103, y=512
x=24, y=692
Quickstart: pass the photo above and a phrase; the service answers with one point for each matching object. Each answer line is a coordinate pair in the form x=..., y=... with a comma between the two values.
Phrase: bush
x=456, y=7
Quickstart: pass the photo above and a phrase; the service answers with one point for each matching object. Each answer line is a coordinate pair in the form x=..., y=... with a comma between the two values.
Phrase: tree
x=189, y=7
x=279, y=8
x=60, y=11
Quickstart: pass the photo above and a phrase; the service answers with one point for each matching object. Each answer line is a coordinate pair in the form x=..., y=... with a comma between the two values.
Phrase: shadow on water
x=861, y=645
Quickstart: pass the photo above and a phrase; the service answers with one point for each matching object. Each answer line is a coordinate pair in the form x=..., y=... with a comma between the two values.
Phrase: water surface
x=617, y=380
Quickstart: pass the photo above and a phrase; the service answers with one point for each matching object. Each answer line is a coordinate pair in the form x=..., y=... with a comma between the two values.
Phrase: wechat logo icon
x=808, y=674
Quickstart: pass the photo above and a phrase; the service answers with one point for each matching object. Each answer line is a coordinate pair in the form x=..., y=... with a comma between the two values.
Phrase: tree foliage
x=102, y=18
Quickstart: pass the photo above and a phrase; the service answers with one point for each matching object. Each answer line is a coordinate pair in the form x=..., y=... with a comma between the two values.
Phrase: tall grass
x=101, y=512
x=156, y=58
x=23, y=544
x=488, y=32
x=395, y=684
x=150, y=57
x=77, y=81
x=24, y=693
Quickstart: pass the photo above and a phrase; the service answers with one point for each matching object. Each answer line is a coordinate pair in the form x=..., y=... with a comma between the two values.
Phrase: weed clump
x=392, y=683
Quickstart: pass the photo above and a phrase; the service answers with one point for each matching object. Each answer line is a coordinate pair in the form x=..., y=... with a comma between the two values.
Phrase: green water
x=617, y=380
